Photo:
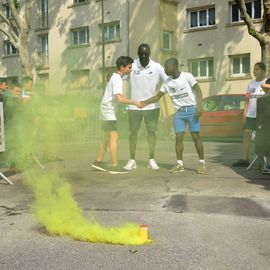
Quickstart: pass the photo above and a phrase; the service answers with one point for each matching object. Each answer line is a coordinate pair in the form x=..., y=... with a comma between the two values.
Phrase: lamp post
x=127, y=27
x=103, y=45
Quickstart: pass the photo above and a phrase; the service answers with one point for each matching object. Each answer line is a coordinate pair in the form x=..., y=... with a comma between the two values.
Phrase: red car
x=223, y=116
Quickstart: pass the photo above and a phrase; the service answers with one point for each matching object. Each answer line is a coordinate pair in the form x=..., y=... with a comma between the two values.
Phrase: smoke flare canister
x=144, y=232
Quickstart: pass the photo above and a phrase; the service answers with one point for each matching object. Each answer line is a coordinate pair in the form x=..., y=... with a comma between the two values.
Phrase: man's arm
x=154, y=99
x=198, y=94
x=124, y=100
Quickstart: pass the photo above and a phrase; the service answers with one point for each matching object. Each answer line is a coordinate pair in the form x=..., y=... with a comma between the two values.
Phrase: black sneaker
x=117, y=170
x=10, y=172
x=100, y=166
x=241, y=163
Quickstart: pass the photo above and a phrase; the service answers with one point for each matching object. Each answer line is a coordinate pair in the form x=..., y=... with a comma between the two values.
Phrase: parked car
x=223, y=116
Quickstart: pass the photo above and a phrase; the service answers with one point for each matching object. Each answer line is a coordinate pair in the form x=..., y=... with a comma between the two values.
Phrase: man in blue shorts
x=186, y=97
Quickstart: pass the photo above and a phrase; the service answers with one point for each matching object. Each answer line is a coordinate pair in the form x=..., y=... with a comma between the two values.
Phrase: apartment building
x=214, y=44
x=66, y=44
x=209, y=38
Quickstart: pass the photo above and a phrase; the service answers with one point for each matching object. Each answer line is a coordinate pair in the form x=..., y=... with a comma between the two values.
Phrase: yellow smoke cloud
x=56, y=209
x=36, y=128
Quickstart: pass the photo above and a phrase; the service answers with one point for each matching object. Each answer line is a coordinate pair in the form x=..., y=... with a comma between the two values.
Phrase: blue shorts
x=186, y=115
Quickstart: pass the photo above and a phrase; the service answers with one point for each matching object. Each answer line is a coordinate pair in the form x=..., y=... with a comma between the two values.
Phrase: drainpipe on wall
x=127, y=27
x=103, y=45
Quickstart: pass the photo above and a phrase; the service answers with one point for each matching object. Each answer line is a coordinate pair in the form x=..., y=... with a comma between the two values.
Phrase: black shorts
x=250, y=123
x=109, y=125
x=150, y=117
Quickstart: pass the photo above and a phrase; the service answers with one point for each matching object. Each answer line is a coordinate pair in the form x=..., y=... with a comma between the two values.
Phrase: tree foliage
x=263, y=34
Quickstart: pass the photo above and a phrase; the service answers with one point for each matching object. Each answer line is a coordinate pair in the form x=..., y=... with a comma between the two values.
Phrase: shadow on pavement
x=228, y=153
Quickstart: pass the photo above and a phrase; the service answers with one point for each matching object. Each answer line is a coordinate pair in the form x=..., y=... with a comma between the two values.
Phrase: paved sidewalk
x=218, y=220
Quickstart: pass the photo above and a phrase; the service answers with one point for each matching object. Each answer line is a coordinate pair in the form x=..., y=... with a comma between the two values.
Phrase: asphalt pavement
x=218, y=220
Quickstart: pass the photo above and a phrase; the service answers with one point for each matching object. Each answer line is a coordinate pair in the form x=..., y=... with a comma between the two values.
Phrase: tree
x=17, y=28
x=262, y=35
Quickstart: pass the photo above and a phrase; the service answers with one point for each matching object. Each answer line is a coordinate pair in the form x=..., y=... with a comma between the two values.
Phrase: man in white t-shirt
x=254, y=90
x=113, y=95
x=145, y=76
x=186, y=97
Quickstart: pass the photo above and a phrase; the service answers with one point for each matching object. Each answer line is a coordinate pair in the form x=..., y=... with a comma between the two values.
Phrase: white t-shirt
x=109, y=103
x=144, y=82
x=255, y=90
x=180, y=90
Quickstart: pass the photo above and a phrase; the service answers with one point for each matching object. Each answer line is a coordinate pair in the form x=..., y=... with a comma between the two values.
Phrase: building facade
x=68, y=51
x=208, y=37
x=214, y=44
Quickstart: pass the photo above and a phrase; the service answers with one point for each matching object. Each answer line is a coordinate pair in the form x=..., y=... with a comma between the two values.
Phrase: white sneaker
x=202, y=168
x=152, y=164
x=131, y=164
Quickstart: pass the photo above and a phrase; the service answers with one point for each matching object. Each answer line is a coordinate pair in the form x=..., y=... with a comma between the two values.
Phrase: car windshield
x=224, y=103
x=211, y=104
x=232, y=103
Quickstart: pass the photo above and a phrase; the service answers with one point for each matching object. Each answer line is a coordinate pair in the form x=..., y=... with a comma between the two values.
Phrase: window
x=111, y=31
x=230, y=103
x=254, y=10
x=202, y=17
x=43, y=20
x=240, y=65
x=43, y=44
x=167, y=40
x=76, y=2
x=223, y=102
x=9, y=49
x=7, y=11
x=202, y=68
x=43, y=51
x=80, y=79
x=80, y=36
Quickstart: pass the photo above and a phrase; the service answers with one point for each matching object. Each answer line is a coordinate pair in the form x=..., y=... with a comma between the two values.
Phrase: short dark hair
x=123, y=61
x=144, y=45
x=172, y=61
x=261, y=65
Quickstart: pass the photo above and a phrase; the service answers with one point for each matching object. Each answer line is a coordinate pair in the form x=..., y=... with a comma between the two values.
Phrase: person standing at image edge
x=254, y=90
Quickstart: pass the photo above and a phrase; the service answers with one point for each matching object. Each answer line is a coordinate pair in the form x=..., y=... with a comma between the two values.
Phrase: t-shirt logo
x=151, y=72
x=173, y=90
x=179, y=96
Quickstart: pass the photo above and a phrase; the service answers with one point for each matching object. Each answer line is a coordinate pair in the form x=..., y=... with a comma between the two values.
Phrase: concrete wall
x=168, y=22
x=144, y=26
